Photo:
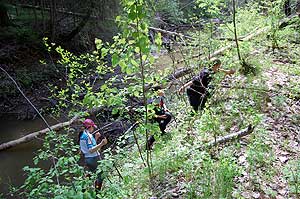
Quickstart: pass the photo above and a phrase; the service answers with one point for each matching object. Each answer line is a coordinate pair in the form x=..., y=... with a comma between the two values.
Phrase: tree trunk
x=4, y=19
x=34, y=135
x=81, y=25
x=287, y=8
x=52, y=19
x=227, y=138
x=235, y=33
x=298, y=7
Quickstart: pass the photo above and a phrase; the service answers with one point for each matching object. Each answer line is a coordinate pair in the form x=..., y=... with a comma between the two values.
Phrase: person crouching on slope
x=162, y=116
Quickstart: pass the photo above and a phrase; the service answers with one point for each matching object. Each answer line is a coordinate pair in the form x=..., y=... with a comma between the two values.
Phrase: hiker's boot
x=150, y=142
x=98, y=186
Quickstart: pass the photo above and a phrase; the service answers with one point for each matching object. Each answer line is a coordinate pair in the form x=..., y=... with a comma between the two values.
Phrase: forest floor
x=268, y=160
x=281, y=121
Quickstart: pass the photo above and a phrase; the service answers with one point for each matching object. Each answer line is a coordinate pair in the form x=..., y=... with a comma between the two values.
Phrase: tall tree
x=52, y=19
x=4, y=18
x=287, y=8
x=298, y=7
x=235, y=32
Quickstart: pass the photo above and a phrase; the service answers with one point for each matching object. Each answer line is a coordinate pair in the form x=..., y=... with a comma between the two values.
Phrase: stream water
x=13, y=160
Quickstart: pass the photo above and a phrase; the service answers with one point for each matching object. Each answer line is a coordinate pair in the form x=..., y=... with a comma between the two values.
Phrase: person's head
x=160, y=93
x=89, y=125
x=216, y=65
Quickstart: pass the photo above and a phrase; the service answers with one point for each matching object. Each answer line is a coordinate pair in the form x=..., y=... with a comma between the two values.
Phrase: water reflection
x=13, y=160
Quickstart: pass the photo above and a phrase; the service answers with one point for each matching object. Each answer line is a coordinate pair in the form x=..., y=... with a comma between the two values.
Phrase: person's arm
x=99, y=146
x=165, y=107
x=97, y=136
x=185, y=85
x=161, y=116
x=227, y=72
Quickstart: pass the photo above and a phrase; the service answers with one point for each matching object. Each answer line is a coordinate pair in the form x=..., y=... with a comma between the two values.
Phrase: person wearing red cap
x=90, y=148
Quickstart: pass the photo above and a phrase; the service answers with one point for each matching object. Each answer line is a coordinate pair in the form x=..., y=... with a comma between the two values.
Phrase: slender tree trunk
x=4, y=19
x=43, y=14
x=52, y=19
x=210, y=39
x=148, y=159
x=287, y=8
x=235, y=33
x=139, y=148
x=35, y=14
x=17, y=12
x=298, y=7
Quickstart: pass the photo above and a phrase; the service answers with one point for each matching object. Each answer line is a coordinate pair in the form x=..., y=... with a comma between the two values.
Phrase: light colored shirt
x=87, y=141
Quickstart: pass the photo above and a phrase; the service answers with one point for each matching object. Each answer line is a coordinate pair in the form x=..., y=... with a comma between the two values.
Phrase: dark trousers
x=162, y=126
x=92, y=163
x=197, y=100
x=164, y=122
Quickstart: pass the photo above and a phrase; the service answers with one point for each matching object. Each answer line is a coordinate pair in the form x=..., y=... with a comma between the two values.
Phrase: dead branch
x=228, y=138
x=221, y=50
x=179, y=73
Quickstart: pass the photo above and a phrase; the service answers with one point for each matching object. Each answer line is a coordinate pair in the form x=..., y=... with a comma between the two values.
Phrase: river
x=14, y=159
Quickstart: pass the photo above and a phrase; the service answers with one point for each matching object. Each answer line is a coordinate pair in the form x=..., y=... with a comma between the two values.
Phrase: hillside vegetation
x=117, y=78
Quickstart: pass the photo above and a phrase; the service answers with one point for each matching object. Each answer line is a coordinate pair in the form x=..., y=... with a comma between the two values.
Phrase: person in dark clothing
x=162, y=116
x=197, y=88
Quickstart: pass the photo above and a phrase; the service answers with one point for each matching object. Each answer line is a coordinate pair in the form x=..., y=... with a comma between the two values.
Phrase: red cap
x=88, y=123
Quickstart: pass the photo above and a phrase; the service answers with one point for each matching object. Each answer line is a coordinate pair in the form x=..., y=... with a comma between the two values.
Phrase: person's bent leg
x=203, y=101
x=150, y=142
x=92, y=163
x=194, y=99
x=165, y=122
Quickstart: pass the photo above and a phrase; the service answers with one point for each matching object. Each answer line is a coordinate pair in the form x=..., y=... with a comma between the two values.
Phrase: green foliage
x=208, y=8
x=260, y=153
x=292, y=174
x=169, y=11
x=119, y=71
x=215, y=179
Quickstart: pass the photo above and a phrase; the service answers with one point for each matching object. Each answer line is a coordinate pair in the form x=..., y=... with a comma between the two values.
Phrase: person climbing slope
x=197, y=90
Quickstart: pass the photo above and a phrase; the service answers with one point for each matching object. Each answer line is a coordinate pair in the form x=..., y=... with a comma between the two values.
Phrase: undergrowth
x=180, y=162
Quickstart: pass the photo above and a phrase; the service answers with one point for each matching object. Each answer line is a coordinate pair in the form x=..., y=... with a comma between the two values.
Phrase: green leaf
x=134, y=63
x=132, y=15
x=115, y=59
x=103, y=87
x=122, y=65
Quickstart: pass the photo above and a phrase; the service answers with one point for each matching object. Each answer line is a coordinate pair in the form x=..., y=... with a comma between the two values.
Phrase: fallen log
x=34, y=135
x=282, y=24
x=169, y=32
x=221, y=50
x=179, y=73
x=228, y=138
